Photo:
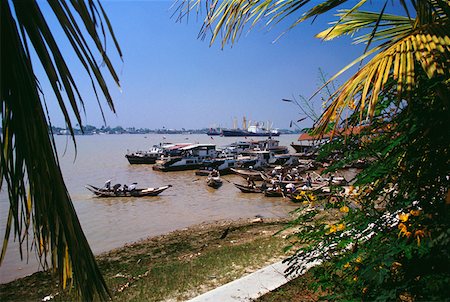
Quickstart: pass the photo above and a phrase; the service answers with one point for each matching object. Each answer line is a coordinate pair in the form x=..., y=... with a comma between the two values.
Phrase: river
x=112, y=222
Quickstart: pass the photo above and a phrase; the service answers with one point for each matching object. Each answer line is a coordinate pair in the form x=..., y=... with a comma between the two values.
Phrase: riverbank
x=173, y=267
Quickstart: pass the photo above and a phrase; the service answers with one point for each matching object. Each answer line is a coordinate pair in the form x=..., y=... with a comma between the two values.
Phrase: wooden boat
x=102, y=192
x=214, y=182
x=270, y=192
x=252, y=174
x=248, y=189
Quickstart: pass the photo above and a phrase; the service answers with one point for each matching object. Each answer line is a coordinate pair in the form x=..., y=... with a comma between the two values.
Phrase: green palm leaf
x=39, y=200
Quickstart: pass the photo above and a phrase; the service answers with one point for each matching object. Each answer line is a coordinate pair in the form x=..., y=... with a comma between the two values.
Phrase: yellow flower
x=347, y=265
x=341, y=227
x=305, y=201
x=355, y=278
x=418, y=234
x=403, y=217
x=312, y=197
x=298, y=197
x=402, y=227
x=358, y=260
x=415, y=212
x=403, y=230
x=344, y=209
x=332, y=229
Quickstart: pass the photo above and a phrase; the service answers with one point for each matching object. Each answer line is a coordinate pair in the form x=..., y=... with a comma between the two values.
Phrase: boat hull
x=99, y=192
x=243, y=133
x=136, y=160
x=163, y=168
x=247, y=189
x=214, y=182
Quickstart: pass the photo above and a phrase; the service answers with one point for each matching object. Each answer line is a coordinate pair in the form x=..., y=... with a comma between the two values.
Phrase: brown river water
x=112, y=222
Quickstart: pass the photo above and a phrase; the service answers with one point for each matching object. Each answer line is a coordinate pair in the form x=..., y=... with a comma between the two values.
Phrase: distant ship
x=214, y=131
x=258, y=129
x=241, y=132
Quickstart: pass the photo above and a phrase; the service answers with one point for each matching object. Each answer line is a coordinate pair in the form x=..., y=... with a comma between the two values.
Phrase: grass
x=174, y=267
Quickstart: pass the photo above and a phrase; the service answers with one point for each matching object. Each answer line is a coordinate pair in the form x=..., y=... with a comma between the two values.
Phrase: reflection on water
x=111, y=222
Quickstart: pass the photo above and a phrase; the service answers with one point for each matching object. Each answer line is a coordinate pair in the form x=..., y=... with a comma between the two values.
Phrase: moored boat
x=144, y=157
x=191, y=157
x=251, y=174
x=248, y=189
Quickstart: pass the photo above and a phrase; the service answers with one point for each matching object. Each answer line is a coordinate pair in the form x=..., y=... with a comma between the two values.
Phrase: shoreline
x=188, y=248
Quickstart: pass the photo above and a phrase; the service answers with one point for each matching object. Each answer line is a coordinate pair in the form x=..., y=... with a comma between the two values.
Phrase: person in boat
x=308, y=181
x=290, y=188
x=251, y=183
x=125, y=188
x=214, y=173
x=116, y=188
x=108, y=185
x=264, y=186
x=132, y=187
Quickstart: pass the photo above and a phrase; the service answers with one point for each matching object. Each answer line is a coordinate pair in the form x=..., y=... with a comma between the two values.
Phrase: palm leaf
x=28, y=155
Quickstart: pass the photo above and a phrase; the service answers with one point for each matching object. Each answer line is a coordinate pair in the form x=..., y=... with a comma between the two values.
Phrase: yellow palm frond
x=427, y=49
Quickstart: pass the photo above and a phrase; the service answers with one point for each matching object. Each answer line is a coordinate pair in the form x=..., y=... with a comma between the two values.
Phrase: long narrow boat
x=248, y=189
x=273, y=193
x=252, y=174
x=100, y=192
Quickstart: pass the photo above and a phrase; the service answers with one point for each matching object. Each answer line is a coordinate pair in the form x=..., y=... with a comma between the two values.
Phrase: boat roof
x=176, y=146
x=195, y=146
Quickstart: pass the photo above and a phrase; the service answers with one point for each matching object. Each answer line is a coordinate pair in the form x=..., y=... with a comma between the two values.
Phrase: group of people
x=117, y=187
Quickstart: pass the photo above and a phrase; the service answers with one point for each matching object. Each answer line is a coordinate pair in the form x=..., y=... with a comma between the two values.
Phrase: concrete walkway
x=251, y=286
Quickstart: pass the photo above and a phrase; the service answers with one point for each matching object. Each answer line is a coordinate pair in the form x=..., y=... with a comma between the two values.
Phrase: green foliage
x=407, y=256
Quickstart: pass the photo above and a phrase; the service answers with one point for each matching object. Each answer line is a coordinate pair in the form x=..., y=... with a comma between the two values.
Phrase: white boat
x=191, y=157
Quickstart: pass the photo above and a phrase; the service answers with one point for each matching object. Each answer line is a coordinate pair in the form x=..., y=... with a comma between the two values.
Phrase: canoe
x=273, y=193
x=247, y=189
x=252, y=174
x=100, y=192
x=214, y=182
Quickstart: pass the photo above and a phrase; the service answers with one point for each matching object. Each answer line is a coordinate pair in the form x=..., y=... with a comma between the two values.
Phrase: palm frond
x=228, y=19
x=39, y=200
x=427, y=48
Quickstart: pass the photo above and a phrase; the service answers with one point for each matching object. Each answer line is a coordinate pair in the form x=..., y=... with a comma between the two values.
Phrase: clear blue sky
x=171, y=79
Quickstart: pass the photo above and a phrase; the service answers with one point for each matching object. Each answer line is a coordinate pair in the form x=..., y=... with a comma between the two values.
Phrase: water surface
x=111, y=222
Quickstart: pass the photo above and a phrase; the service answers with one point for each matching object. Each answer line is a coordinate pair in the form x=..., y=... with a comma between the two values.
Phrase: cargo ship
x=257, y=129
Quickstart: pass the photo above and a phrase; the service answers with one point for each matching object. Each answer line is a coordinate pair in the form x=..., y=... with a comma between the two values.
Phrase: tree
x=39, y=200
x=394, y=244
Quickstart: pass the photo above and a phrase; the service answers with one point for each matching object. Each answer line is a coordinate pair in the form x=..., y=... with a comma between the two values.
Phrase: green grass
x=177, y=266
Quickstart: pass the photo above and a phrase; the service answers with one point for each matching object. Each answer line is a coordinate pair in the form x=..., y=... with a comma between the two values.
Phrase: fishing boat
x=251, y=174
x=274, y=192
x=248, y=189
x=214, y=182
x=103, y=192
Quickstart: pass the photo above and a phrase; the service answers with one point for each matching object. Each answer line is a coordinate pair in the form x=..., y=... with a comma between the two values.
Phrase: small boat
x=103, y=192
x=252, y=174
x=214, y=181
x=270, y=192
x=248, y=189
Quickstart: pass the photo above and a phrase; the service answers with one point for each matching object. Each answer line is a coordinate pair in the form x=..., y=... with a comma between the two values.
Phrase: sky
x=170, y=78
